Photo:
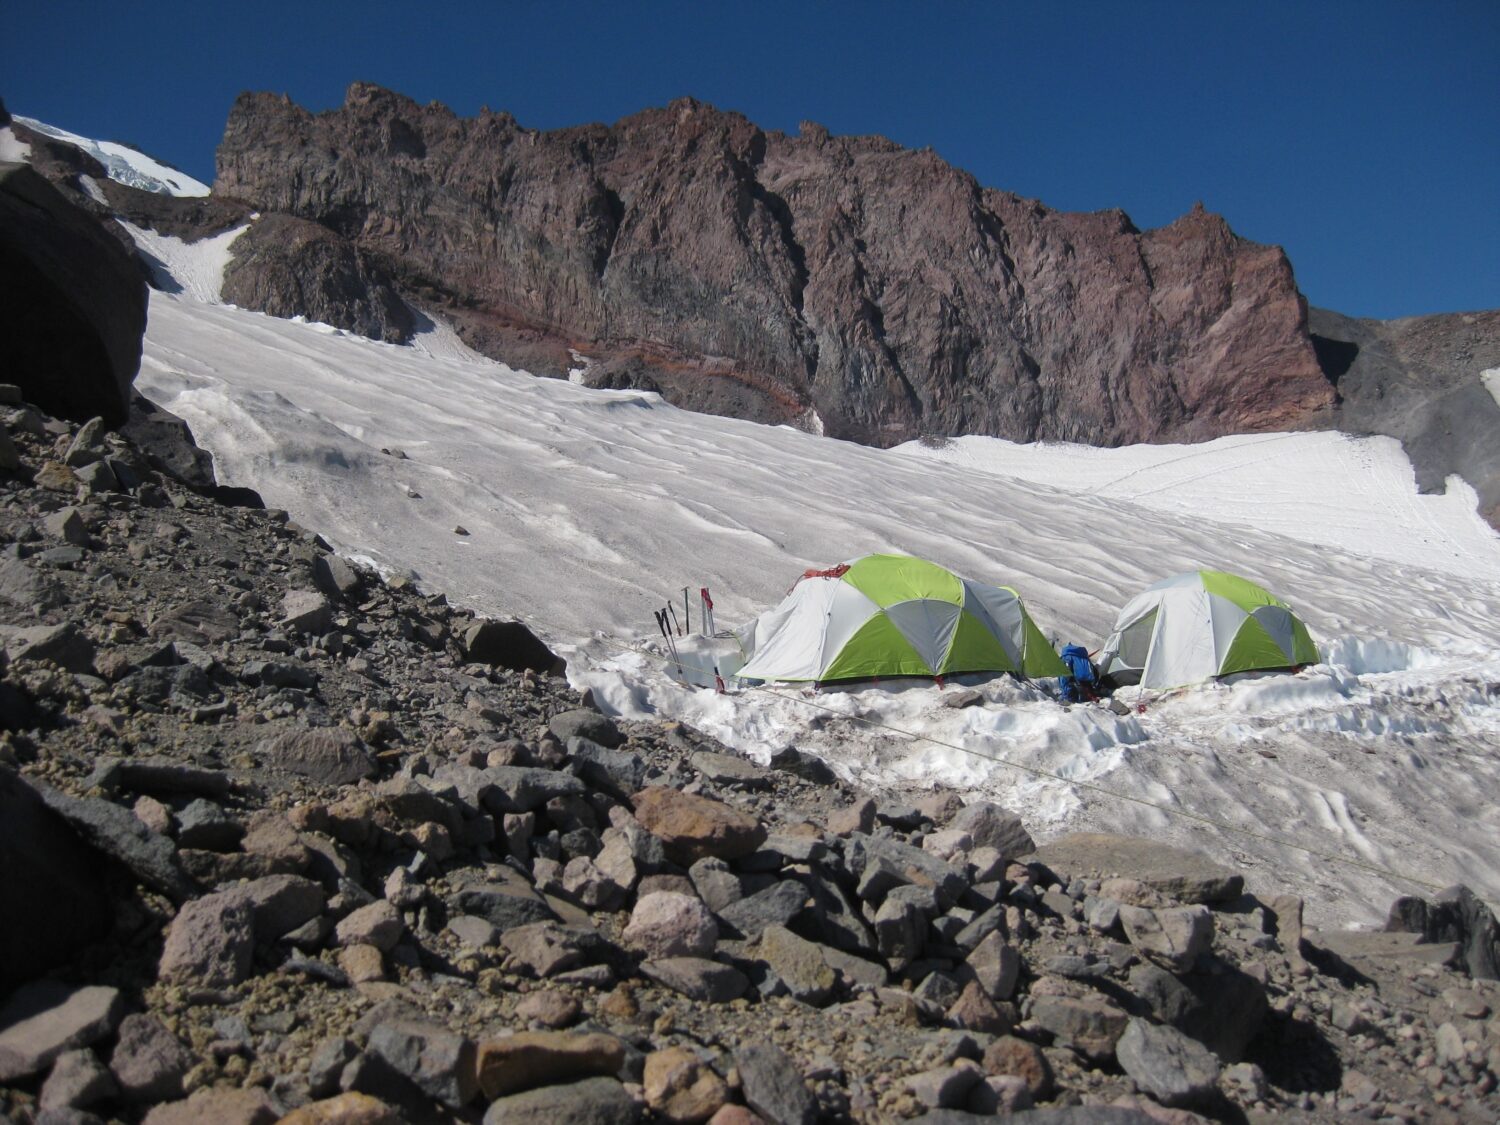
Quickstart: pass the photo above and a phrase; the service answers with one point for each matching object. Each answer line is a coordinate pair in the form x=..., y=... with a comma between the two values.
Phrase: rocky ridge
x=751, y=273
x=282, y=839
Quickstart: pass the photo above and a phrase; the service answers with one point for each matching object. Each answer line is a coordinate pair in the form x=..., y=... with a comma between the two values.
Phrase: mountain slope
x=750, y=273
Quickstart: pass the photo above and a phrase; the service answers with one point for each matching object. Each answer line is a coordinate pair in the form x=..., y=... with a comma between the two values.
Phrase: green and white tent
x=892, y=615
x=1199, y=625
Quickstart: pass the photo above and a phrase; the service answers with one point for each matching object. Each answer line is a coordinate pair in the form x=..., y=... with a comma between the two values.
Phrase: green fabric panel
x=878, y=649
x=1303, y=649
x=1252, y=648
x=1041, y=658
x=975, y=649
x=1241, y=591
x=888, y=579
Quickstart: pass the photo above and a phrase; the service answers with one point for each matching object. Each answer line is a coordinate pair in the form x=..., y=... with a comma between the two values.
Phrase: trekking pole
x=675, y=622
x=706, y=616
x=687, y=615
x=719, y=682
x=666, y=631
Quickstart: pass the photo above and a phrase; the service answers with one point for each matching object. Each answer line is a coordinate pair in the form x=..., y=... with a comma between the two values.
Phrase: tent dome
x=893, y=615
x=1205, y=623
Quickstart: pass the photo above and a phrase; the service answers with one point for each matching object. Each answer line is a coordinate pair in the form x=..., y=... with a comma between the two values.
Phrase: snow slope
x=127, y=165
x=587, y=510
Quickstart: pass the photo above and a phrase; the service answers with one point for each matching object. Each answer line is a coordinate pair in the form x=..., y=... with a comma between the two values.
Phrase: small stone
x=216, y=1106
x=149, y=1062
x=698, y=978
x=548, y=948
x=1174, y=938
x=543, y=1058
x=858, y=817
x=328, y=755
x=362, y=963
x=975, y=1011
x=681, y=1088
x=43, y=1019
x=550, y=1009
x=671, y=925
x=999, y=1094
x=472, y=932
x=77, y=1081
x=379, y=924
x=349, y=1108
x=1009, y=1055
x=593, y=1101
x=210, y=942
x=798, y=962
x=435, y=1060
x=944, y=1087
x=995, y=966
x=306, y=611
x=772, y=1085
x=1173, y=1069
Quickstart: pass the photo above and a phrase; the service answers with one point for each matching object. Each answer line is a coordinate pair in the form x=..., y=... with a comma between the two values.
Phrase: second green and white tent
x=1199, y=625
x=893, y=615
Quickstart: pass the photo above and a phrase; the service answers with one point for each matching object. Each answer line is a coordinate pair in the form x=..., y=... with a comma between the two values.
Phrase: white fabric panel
x=848, y=610
x=928, y=625
x=1226, y=618
x=1182, y=651
x=789, y=639
x=1000, y=610
x=1128, y=649
x=1278, y=623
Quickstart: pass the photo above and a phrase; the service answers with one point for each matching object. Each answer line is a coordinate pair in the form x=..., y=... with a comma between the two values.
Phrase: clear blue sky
x=1361, y=135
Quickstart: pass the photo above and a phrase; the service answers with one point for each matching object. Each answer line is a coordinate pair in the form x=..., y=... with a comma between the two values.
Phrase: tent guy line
x=1037, y=771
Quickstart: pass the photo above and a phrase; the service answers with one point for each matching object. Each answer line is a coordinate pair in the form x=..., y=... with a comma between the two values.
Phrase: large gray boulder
x=51, y=889
x=72, y=303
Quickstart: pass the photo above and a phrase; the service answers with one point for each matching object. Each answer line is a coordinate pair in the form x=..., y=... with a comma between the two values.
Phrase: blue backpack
x=1082, y=680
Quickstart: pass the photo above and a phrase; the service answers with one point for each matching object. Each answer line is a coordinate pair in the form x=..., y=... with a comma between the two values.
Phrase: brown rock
x=736, y=1115
x=149, y=1062
x=975, y=1011
x=249, y=1106
x=1010, y=1055
x=346, y=1109
x=210, y=942
x=795, y=262
x=542, y=1058
x=378, y=924
x=41, y=1020
x=692, y=827
x=681, y=1087
x=362, y=963
x=549, y=1008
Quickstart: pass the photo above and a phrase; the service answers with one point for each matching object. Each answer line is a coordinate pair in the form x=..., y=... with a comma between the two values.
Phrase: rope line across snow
x=1037, y=771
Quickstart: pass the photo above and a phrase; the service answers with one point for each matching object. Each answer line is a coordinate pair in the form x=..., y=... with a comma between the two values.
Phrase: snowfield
x=587, y=510
x=125, y=164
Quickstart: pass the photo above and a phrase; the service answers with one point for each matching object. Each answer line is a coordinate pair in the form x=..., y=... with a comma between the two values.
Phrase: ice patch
x=126, y=165
x=12, y=148
x=1490, y=377
x=194, y=269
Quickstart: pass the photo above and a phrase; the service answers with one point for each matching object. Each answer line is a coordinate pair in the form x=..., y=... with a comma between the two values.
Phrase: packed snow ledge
x=587, y=510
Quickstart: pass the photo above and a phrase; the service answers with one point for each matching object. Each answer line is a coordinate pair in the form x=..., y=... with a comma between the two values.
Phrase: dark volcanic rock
x=72, y=303
x=755, y=274
x=289, y=267
x=1417, y=379
x=168, y=442
x=48, y=877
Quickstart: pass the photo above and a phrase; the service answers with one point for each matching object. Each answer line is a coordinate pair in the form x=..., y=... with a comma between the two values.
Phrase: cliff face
x=756, y=274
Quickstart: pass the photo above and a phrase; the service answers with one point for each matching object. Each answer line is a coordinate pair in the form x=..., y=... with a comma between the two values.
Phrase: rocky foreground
x=280, y=840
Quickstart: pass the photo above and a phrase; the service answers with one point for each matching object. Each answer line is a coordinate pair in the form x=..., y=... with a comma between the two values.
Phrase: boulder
x=1180, y=874
x=1173, y=1069
x=510, y=645
x=698, y=978
x=772, y=1084
x=1175, y=937
x=585, y=723
x=1455, y=915
x=799, y=963
x=50, y=886
x=249, y=1106
x=992, y=826
x=78, y=1080
x=438, y=1062
x=1090, y=1025
x=210, y=942
x=40, y=1021
x=665, y=924
x=593, y=1101
x=682, y=1088
x=529, y=1059
x=74, y=309
x=149, y=1062
x=117, y=833
x=692, y=827
x=327, y=755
